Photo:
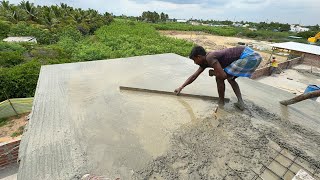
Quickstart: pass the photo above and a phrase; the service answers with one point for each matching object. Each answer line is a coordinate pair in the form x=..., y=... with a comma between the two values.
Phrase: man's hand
x=178, y=90
x=211, y=72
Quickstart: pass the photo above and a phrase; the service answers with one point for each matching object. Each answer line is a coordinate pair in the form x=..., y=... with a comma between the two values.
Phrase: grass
x=3, y=121
x=18, y=132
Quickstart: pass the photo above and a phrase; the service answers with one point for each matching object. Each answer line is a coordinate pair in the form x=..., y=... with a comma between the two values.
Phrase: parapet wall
x=312, y=60
x=9, y=153
x=265, y=71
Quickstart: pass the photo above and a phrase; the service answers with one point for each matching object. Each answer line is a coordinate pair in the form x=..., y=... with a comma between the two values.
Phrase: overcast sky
x=306, y=12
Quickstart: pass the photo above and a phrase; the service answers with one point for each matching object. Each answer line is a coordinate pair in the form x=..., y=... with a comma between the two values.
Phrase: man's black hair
x=196, y=51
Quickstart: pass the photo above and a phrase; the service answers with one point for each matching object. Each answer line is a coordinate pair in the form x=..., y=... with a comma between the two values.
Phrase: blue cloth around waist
x=246, y=52
x=312, y=88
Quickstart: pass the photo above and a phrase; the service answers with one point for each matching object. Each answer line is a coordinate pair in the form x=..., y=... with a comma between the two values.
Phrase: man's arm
x=214, y=63
x=218, y=71
x=193, y=77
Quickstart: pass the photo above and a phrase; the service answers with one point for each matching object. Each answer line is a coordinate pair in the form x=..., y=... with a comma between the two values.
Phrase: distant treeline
x=48, y=22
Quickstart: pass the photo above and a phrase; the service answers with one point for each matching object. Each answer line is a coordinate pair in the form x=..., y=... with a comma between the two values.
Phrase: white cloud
x=285, y=11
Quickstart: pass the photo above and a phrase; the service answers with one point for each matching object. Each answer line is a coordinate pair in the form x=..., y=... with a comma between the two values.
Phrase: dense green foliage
x=73, y=40
x=153, y=17
x=20, y=80
x=307, y=34
x=47, y=22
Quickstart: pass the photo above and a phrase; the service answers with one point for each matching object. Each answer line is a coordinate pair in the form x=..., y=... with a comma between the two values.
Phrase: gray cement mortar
x=233, y=145
x=82, y=123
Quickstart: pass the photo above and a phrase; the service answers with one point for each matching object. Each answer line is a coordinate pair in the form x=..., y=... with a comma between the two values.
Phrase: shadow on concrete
x=10, y=172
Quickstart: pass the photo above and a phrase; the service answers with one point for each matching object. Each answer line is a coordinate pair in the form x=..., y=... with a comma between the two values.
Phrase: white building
x=237, y=24
x=182, y=20
x=194, y=23
x=20, y=39
x=245, y=25
x=297, y=28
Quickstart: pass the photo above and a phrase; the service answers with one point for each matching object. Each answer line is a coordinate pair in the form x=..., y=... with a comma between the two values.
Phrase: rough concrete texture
x=81, y=123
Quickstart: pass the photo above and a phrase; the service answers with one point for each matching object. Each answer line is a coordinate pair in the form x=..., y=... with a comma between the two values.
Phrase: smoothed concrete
x=81, y=123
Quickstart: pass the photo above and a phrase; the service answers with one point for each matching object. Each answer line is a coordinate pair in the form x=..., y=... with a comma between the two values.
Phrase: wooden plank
x=204, y=97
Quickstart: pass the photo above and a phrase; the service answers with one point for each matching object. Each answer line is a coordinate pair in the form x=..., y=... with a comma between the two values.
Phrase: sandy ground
x=11, y=127
x=214, y=42
x=294, y=80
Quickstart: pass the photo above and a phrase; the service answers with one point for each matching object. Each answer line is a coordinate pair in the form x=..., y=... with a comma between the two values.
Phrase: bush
x=127, y=39
x=68, y=32
x=43, y=36
x=4, y=46
x=10, y=58
x=19, y=81
x=4, y=29
x=307, y=34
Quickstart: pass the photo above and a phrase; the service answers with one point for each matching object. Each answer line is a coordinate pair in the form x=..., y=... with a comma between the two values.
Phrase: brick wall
x=312, y=60
x=9, y=153
x=266, y=70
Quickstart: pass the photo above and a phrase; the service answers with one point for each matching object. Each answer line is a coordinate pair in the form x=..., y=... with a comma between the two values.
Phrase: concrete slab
x=81, y=123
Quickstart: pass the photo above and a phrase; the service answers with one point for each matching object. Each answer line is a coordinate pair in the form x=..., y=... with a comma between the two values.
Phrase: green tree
x=4, y=29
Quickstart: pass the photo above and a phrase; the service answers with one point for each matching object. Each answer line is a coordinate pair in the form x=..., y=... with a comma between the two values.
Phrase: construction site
x=120, y=119
x=130, y=125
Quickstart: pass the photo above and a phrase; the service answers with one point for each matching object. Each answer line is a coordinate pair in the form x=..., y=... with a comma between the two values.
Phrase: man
x=227, y=64
x=274, y=65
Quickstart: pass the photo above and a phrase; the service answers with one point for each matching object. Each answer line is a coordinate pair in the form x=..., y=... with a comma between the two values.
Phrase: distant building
x=20, y=39
x=182, y=20
x=218, y=25
x=194, y=23
x=253, y=29
x=237, y=24
x=245, y=25
x=297, y=28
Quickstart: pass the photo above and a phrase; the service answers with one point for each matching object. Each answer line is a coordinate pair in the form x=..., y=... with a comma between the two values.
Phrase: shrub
x=68, y=32
x=10, y=58
x=307, y=34
x=43, y=36
x=4, y=46
x=4, y=29
x=19, y=81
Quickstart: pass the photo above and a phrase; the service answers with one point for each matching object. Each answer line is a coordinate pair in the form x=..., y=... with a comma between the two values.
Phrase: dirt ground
x=214, y=42
x=233, y=147
x=12, y=126
x=294, y=80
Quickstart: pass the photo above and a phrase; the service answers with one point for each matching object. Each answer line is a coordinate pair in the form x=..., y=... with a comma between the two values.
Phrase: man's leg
x=237, y=91
x=221, y=88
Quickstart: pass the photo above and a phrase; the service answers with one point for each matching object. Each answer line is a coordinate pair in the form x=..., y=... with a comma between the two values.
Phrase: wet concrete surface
x=81, y=123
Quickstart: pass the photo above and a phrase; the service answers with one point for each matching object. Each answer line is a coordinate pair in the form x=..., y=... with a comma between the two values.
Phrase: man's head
x=198, y=55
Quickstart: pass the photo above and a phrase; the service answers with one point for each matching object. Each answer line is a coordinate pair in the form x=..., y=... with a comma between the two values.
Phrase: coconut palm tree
x=30, y=9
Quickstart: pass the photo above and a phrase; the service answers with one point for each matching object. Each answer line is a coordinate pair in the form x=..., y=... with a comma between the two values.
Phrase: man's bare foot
x=220, y=104
x=239, y=106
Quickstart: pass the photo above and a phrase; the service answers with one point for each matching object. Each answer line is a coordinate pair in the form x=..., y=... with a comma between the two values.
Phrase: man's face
x=198, y=60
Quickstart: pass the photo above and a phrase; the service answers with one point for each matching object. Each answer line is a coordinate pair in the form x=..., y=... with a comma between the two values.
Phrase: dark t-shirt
x=225, y=57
